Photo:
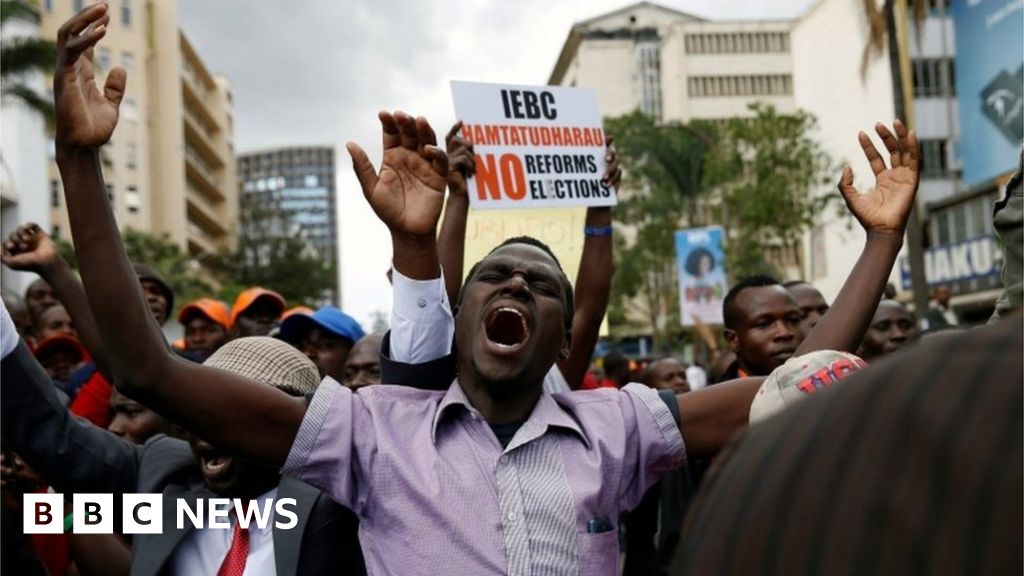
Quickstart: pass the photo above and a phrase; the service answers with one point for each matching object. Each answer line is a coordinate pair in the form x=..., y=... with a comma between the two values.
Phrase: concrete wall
x=827, y=45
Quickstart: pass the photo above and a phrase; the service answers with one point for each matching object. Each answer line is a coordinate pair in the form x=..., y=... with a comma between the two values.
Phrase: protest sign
x=702, y=284
x=535, y=146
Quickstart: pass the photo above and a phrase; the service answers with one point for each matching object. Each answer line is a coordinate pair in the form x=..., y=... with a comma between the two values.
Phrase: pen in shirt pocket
x=599, y=525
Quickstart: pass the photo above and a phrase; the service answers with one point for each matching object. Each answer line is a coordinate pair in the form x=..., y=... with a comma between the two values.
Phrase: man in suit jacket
x=76, y=456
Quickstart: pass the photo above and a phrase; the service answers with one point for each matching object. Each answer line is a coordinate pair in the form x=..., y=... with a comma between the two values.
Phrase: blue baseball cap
x=329, y=319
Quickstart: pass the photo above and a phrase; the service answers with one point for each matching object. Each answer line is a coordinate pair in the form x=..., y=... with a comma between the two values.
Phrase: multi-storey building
x=296, y=186
x=170, y=165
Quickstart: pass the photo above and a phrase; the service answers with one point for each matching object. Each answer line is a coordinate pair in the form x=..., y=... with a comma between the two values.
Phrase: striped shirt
x=913, y=466
x=437, y=494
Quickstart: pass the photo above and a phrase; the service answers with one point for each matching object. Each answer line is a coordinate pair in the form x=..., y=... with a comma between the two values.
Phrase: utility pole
x=899, y=56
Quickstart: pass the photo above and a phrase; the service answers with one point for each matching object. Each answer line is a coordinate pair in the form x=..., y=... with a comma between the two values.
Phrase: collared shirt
x=203, y=551
x=436, y=493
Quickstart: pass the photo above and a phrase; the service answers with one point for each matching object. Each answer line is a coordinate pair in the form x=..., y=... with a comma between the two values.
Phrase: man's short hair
x=615, y=362
x=568, y=301
x=755, y=281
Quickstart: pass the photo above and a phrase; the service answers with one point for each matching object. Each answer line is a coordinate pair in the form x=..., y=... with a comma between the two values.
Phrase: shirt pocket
x=599, y=553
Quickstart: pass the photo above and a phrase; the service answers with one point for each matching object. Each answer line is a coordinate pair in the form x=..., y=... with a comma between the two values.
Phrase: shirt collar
x=547, y=413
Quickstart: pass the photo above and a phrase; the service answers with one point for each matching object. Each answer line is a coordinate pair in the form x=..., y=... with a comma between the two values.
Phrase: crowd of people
x=477, y=436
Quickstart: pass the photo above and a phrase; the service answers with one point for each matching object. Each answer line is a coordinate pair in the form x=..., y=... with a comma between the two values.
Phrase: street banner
x=702, y=283
x=535, y=146
x=989, y=86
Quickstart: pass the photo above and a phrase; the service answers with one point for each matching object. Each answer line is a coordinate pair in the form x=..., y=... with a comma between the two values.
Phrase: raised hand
x=408, y=193
x=30, y=249
x=612, y=172
x=886, y=207
x=85, y=117
x=461, y=162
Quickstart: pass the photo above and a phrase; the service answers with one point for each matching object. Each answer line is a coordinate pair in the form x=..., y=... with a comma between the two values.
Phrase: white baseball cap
x=800, y=377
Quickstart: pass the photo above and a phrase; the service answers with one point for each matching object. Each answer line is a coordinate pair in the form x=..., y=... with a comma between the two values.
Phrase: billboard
x=989, y=84
x=702, y=283
x=976, y=258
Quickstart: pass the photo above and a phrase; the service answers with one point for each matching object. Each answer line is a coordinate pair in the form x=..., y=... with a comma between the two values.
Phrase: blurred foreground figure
x=910, y=467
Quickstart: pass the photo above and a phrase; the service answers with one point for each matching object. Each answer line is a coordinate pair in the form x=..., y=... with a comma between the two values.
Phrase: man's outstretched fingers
x=407, y=131
x=438, y=159
x=87, y=38
x=846, y=185
x=392, y=135
x=453, y=132
x=891, y=144
x=79, y=22
x=424, y=133
x=113, y=88
x=908, y=144
x=871, y=153
x=364, y=170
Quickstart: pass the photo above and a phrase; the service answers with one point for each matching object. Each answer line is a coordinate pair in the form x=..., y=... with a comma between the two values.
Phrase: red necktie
x=234, y=560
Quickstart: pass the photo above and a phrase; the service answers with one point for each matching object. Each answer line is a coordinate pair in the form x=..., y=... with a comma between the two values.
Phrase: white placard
x=535, y=146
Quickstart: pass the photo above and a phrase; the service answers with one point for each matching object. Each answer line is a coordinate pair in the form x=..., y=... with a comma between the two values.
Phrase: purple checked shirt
x=436, y=493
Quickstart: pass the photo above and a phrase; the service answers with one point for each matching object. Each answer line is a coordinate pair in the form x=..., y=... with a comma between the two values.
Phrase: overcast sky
x=315, y=72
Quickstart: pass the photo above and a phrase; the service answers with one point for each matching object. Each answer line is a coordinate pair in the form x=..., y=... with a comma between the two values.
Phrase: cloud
x=317, y=72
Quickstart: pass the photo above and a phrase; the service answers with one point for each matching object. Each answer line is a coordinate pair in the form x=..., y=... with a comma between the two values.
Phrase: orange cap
x=215, y=310
x=248, y=297
x=178, y=344
x=304, y=310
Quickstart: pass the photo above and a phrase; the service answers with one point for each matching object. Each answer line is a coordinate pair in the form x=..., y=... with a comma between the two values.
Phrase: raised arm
x=452, y=238
x=593, y=281
x=711, y=416
x=883, y=212
x=30, y=249
x=215, y=405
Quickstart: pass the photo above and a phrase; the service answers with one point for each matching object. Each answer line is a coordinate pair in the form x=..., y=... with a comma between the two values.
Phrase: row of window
x=933, y=77
x=935, y=159
x=279, y=183
x=321, y=156
x=77, y=5
x=648, y=59
x=737, y=43
x=964, y=221
x=760, y=85
x=104, y=59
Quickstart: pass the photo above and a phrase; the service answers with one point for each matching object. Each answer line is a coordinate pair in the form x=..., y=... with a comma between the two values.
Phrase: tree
x=661, y=193
x=23, y=56
x=763, y=173
x=754, y=176
x=273, y=253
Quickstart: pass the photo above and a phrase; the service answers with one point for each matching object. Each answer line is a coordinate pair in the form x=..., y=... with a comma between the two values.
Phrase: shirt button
x=512, y=516
x=422, y=302
x=503, y=459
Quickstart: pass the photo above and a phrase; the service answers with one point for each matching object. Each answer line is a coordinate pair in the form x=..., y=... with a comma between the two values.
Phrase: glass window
x=130, y=110
x=130, y=155
x=48, y=5
x=128, y=61
x=77, y=5
x=126, y=12
x=110, y=194
x=103, y=58
x=55, y=193
x=131, y=199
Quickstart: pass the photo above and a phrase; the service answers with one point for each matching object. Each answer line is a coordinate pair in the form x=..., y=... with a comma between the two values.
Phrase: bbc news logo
x=144, y=513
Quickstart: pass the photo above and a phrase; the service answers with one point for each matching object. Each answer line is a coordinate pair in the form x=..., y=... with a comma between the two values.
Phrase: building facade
x=170, y=165
x=297, y=186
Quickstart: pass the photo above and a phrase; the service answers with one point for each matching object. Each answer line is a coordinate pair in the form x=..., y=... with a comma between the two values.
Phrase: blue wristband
x=597, y=230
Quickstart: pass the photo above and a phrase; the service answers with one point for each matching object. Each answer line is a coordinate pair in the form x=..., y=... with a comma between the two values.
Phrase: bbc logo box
x=92, y=514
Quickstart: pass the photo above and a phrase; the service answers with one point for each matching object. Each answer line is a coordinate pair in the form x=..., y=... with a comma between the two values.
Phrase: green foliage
x=756, y=177
x=22, y=56
x=663, y=171
x=271, y=255
x=765, y=172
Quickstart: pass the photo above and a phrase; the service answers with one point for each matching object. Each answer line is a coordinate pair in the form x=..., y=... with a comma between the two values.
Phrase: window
x=128, y=61
x=933, y=77
x=131, y=199
x=103, y=58
x=130, y=110
x=934, y=159
x=761, y=85
x=648, y=60
x=126, y=13
x=130, y=155
x=55, y=193
x=110, y=194
x=48, y=5
x=77, y=5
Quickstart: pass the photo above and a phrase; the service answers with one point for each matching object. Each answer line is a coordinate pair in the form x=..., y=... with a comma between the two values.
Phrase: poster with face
x=702, y=280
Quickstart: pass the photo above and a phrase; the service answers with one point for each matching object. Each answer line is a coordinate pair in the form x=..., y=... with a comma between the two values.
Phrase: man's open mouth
x=506, y=329
x=215, y=463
